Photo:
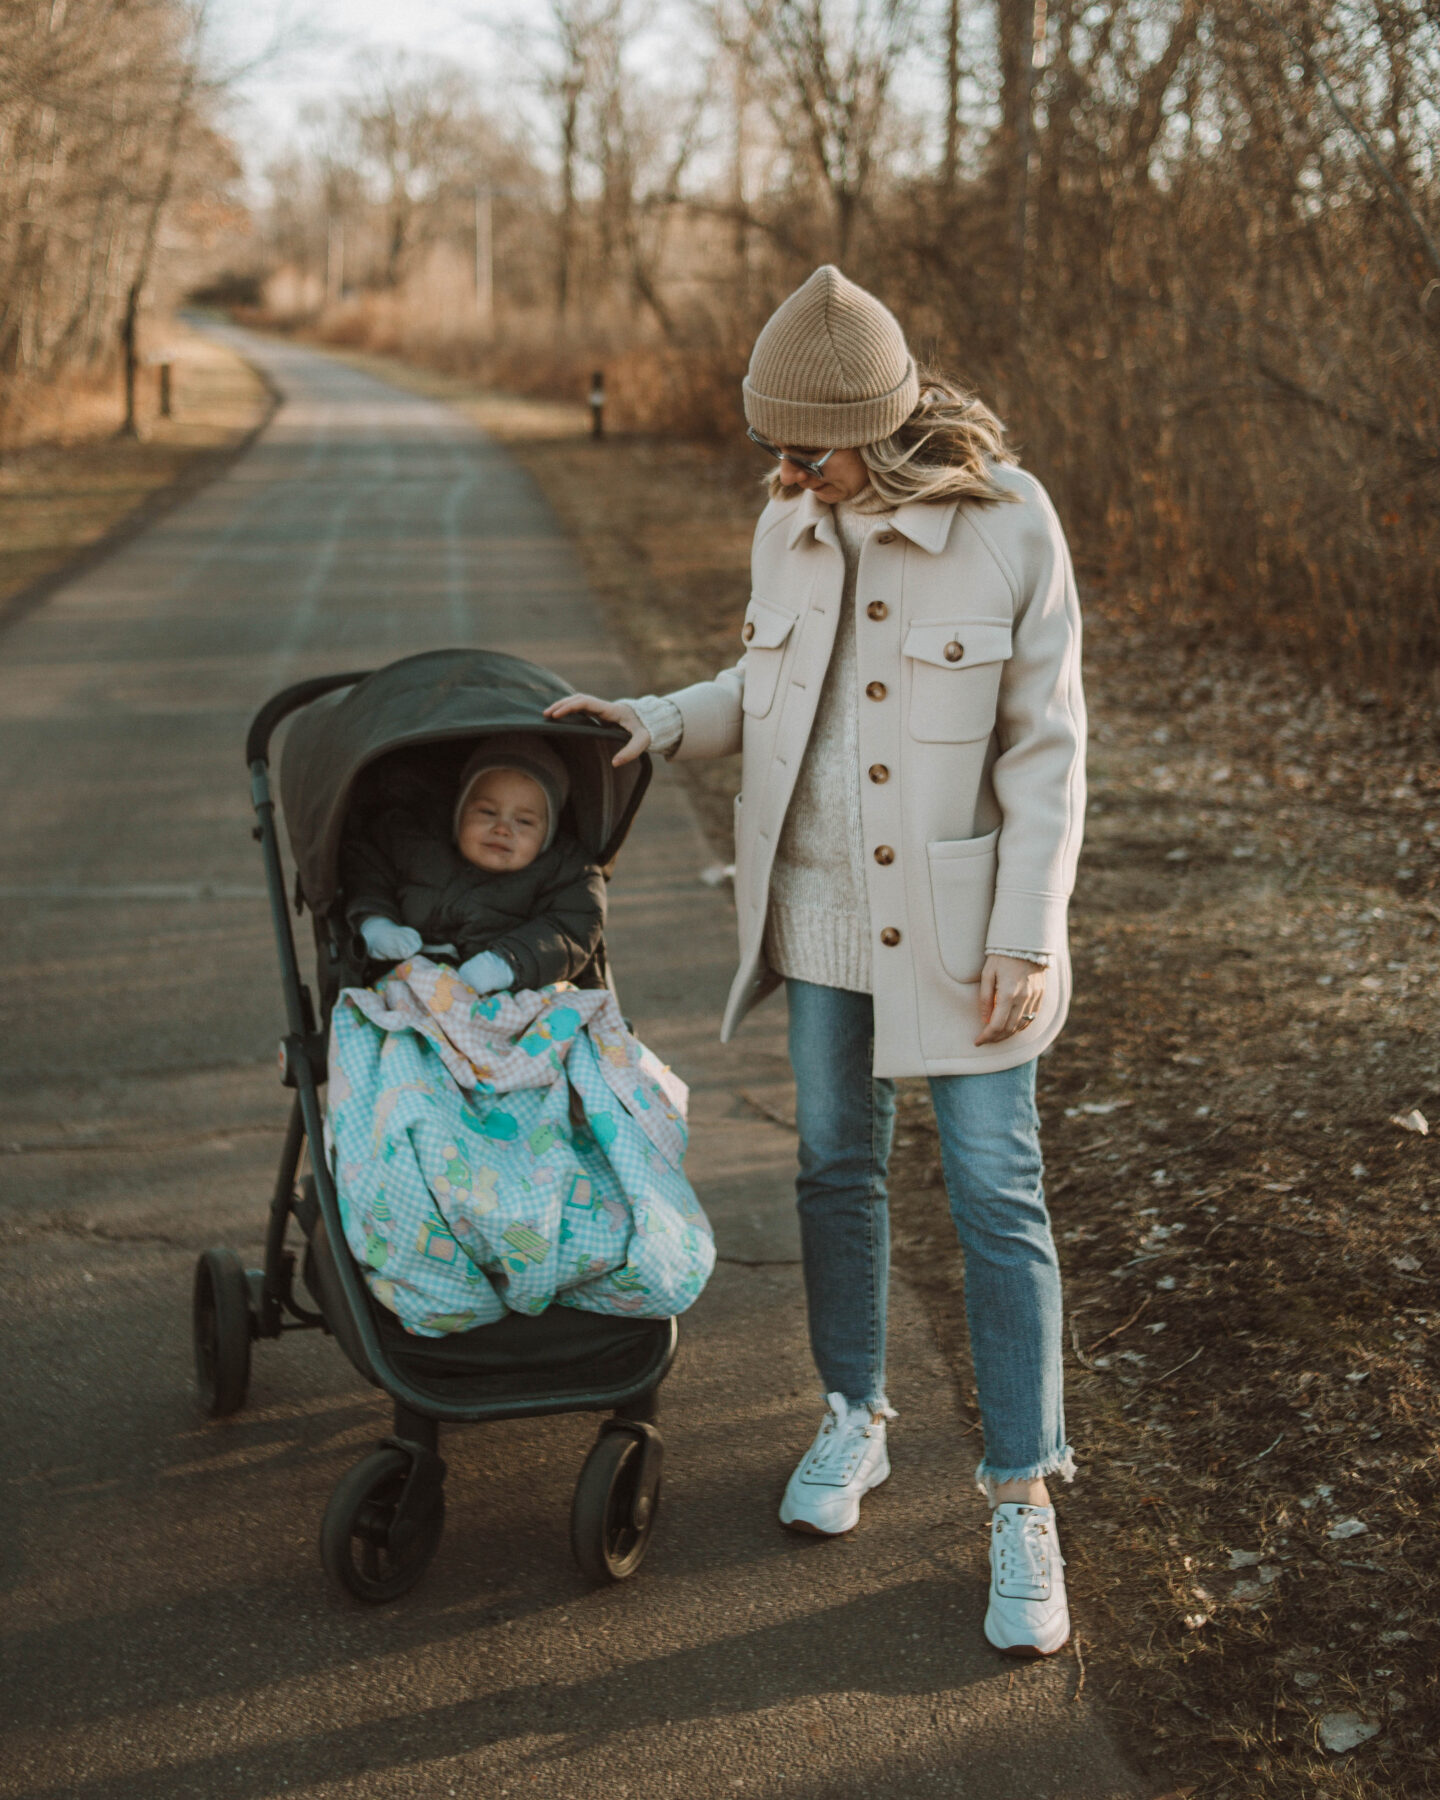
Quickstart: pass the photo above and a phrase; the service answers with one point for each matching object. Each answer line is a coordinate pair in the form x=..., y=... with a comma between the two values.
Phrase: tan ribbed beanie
x=830, y=369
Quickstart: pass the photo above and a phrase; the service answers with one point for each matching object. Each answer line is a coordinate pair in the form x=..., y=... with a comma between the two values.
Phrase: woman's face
x=842, y=478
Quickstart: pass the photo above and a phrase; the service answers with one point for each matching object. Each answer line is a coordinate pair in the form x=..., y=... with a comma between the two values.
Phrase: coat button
x=878, y=772
x=954, y=651
x=748, y=632
x=889, y=937
x=877, y=609
x=886, y=537
x=884, y=855
x=876, y=690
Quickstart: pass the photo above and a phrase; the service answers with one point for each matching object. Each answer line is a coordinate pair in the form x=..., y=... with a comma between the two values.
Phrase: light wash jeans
x=990, y=1151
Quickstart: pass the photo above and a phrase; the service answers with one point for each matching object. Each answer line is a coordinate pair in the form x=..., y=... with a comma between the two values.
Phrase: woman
x=909, y=712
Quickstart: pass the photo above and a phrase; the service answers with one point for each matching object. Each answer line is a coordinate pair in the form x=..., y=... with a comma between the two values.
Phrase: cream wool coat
x=972, y=742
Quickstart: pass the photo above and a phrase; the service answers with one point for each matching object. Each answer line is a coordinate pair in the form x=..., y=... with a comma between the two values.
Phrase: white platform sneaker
x=847, y=1459
x=1028, y=1614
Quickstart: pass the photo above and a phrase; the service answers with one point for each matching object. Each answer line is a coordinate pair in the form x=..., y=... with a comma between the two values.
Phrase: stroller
x=418, y=720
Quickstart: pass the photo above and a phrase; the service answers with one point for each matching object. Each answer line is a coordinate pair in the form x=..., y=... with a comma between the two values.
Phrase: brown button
x=886, y=537
x=876, y=690
x=749, y=631
x=884, y=855
x=889, y=937
x=954, y=651
x=877, y=609
x=878, y=772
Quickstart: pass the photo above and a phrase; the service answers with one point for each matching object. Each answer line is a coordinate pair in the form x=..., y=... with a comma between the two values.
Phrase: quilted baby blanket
x=507, y=1152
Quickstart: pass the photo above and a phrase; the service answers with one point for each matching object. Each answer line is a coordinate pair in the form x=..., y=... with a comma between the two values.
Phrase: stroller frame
x=385, y=1518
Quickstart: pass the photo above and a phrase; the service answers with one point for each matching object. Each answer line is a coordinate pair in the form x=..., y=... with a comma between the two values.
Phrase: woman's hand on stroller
x=388, y=942
x=487, y=972
x=613, y=712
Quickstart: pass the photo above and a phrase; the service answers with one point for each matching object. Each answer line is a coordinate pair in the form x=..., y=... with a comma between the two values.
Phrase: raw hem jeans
x=990, y=1151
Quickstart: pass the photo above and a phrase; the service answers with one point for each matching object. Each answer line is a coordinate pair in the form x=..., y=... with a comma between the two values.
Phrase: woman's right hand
x=613, y=712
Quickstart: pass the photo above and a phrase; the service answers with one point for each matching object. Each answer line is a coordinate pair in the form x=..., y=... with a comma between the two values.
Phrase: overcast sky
x=317, y=45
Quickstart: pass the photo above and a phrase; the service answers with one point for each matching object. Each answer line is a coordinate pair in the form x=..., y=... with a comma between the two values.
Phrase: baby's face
x=504, y=821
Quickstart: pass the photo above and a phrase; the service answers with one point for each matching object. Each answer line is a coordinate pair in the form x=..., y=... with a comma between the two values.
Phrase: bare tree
x=834, y=61
x=414, y=128
x=105, y=112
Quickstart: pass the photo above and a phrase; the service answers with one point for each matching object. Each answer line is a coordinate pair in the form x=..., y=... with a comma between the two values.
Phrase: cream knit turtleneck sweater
x=818, y=927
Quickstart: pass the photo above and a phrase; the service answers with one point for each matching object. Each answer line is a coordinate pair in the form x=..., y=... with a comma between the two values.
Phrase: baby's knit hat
x=830, y=369
x=532, y=756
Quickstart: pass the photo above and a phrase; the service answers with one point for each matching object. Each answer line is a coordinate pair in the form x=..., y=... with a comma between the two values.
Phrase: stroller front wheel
x=616, y=1499
x=222, y=1327
x=373, y=1548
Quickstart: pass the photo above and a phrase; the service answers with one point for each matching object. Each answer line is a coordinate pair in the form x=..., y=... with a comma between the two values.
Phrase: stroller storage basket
x=423, y=714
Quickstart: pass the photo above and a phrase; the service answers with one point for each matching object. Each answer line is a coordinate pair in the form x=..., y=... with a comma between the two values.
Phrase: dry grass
x=1248, y=1241
x=72, y=481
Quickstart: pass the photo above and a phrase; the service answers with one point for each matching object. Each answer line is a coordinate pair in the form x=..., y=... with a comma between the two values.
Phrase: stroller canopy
x=442, y=697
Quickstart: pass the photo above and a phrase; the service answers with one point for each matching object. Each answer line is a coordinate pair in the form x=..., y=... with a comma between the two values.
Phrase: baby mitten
x=388, y=942
x=487, y=973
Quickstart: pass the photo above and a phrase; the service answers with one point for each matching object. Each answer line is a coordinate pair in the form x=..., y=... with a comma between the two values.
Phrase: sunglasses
x=801, y=462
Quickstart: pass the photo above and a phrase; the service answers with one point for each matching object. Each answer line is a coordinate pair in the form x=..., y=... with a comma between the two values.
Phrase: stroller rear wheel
x=222, y=1327
x=372, y=1546
x=616, y=1500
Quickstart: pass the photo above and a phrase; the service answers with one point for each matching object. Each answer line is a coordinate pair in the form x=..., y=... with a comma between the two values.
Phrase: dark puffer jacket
x=546, y=920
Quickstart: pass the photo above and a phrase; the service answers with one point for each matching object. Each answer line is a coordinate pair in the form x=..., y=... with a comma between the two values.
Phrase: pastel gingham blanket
x=507, y=1151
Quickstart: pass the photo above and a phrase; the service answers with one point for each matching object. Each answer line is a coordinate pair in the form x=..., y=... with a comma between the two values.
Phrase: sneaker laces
x=843, y=1440
x=1023, y=1541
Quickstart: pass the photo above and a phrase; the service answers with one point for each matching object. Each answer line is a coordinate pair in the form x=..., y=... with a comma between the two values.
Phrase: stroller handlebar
x=289, y=700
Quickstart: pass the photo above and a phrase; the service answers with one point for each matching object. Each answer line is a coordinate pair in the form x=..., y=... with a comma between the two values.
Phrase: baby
x=494, y=884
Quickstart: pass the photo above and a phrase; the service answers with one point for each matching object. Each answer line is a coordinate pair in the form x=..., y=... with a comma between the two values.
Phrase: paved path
x=166, y=1633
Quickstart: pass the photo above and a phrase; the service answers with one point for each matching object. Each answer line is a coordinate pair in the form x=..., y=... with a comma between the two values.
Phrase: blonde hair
x=944, y=451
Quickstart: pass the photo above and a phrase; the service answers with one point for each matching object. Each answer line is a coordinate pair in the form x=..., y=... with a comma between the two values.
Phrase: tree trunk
x=1022, y=26
x=569, y=151
x=950, y=167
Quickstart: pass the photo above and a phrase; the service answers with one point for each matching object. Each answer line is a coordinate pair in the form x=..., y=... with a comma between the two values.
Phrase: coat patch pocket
x=765, y=633
x=962, y=891
x=955, y=667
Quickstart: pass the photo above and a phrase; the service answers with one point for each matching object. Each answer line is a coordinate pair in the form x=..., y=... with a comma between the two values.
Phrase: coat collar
x=926, y=526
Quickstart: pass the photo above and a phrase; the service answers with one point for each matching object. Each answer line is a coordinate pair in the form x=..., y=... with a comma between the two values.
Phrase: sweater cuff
x=1043, y=958
x=1021, y=916
x=663, y=719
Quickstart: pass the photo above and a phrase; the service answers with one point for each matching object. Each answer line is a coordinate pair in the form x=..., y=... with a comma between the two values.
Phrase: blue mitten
x=487, y=973
x=388, y=942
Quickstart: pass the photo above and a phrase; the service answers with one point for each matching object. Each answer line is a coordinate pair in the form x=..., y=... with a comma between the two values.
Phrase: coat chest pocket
x=955, y=667
x=765, y=633
x=962, y=892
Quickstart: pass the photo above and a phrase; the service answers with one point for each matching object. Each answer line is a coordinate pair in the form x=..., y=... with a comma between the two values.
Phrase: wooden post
x=484, y=257
x=165, y=411
x=128, y=427
x=597, y=404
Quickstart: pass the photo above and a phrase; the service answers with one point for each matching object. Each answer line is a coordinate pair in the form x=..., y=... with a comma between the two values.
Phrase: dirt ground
x=1246, y=1231
x=66, y=495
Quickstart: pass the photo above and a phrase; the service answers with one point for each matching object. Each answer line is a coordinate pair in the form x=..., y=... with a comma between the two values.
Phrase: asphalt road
x=166, y=1630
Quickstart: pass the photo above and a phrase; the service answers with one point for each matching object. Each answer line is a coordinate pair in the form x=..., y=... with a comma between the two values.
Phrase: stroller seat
x=420, y=717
